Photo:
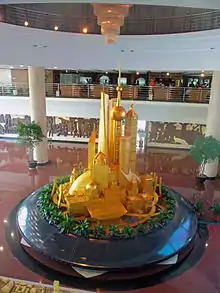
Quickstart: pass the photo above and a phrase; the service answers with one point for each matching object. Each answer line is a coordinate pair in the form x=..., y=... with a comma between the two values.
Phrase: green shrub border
x=68, y=225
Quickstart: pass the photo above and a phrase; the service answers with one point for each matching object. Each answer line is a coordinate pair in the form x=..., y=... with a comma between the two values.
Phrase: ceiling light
x=85, y=30
x=1, y=248
x=137, y=73
x=26, y=23
x=5, y=221
x=55, y=67
x=21, y=66
x=167, y=73
x=202, y=70
x=56, y=28
x=106, y=72
x=202, y=74
x=206, y=245
x=109, y=11
x=11, y=67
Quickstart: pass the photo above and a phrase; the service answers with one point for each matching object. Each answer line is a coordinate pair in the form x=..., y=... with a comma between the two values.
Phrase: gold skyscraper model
x=131, y=130
x=91, y=149
x=109, y=188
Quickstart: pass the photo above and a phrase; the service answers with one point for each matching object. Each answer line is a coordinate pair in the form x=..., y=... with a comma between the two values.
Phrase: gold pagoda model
x=110, y=188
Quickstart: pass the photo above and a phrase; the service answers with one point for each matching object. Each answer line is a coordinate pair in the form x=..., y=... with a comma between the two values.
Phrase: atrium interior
x=109, y=146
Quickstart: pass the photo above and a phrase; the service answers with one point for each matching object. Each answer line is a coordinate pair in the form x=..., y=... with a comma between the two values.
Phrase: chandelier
x=110, y=17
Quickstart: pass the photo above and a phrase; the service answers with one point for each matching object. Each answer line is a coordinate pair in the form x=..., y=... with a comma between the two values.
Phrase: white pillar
x=36, y=76
x=213, y=121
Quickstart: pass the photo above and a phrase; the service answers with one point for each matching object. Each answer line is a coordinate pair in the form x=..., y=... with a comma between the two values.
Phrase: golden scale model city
x=110, y=189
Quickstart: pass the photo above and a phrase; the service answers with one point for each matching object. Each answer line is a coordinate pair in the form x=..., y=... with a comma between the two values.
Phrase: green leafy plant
x=205, y=149
x=128, y=232
x=198, y=207
x=67, y=224
x=99, y=231
x=215, y=208
x=114, y=230
x=82, y=228
x=142, y=228
x=30, y=135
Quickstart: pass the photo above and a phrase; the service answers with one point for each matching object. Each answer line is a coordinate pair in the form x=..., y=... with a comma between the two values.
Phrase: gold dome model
x=131, y=112
x=118, y=113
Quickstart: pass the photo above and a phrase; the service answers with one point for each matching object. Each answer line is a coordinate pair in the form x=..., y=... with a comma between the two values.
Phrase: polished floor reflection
x=177, y=170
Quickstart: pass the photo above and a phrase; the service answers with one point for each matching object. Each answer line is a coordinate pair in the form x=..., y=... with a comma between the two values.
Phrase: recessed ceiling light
x=26, y=23
x=21, y=66
x=39, y=46
x=85, y=30
x=56, y=27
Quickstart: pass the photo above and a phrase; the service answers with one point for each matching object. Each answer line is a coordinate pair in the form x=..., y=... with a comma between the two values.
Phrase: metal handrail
x=130, y=92
x=207, y=20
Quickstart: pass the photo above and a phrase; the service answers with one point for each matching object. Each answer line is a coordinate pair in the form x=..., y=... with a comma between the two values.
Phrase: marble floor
x=177, y=170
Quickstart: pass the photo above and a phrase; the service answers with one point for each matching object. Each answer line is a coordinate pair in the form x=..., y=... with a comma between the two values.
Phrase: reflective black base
x=24, y=255
x=111, y=254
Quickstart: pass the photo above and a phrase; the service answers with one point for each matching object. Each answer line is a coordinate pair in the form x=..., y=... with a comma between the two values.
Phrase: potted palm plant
x=205, y=149
x=30, y=135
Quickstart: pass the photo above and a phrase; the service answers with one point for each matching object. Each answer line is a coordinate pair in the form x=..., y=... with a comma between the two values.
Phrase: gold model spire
x=119, y=89
x=117, y=114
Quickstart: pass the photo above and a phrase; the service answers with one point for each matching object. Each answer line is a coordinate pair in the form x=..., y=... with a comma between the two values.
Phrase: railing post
x=184, y=95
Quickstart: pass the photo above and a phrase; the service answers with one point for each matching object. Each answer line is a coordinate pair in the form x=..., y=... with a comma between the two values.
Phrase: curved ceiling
x=141, y=19
x=210, y=4
x=189, y=51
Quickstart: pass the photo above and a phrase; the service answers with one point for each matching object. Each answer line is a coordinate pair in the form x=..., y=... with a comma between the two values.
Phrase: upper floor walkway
x=130, y=92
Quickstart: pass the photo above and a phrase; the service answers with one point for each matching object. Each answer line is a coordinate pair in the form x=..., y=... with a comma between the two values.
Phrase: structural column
x=36, y=76
x=213, y=121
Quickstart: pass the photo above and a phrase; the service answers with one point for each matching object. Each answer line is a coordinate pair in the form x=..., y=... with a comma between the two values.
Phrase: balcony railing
x=148, y=25
x=130, y=92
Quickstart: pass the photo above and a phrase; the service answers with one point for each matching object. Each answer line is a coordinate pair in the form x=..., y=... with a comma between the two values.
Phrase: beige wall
x=19, y=76
x=19, y=79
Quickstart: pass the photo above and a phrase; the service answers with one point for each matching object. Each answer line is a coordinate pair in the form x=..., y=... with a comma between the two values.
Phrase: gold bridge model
x=109, y=188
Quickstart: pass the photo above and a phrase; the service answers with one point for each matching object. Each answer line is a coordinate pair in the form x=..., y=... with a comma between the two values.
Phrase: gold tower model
x=131, y=131
x=109, y=188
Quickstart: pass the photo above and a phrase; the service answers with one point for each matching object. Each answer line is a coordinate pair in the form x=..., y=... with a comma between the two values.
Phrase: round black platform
x=110, y=254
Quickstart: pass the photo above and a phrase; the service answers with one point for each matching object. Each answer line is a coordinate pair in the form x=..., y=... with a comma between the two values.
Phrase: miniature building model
x=109, y=188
